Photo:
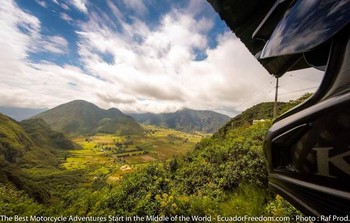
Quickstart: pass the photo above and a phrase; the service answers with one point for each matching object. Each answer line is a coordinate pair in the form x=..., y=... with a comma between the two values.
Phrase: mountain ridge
x=29, y=144
x=263, y=110
x=185, y=119
x=81, y=117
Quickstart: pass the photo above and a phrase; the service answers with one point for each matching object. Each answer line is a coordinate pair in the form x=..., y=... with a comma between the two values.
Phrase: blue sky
x=138, y=56
x=63, y=19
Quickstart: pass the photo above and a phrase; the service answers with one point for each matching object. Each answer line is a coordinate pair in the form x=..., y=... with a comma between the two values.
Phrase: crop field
x=110, y=156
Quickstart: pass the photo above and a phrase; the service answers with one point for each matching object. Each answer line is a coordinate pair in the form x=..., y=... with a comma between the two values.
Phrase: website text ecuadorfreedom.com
x=246, y=218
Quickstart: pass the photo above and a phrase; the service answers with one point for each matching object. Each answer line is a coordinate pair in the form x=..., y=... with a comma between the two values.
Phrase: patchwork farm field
x=109, y=156
x=103, y=159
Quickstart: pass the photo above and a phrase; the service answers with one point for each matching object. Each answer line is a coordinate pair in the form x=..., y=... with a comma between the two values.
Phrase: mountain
x=229, y=163
x=186, y=120
x=20, y=114
x=42, y=134
x=14, y=141
x=29, y=144
x=81, y=117
x=260, y=111
x=31, y=141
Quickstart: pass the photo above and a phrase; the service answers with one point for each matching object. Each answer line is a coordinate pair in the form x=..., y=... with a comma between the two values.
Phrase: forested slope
x=224, y=175
x=187, y=120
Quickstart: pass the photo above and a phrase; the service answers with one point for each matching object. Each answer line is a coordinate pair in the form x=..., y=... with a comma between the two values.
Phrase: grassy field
x=110, y=156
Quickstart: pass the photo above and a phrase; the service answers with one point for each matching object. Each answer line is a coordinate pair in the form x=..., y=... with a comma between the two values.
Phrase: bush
x=279, y=207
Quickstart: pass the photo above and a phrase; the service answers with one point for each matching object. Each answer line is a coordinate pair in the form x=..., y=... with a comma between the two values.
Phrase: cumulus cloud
x=15, y=44
x=162, y=65
x=80, y=5
x=135, y=67
x=117, y=99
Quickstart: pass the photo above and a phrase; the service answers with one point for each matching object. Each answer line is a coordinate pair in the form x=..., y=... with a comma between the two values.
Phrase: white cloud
x=54, y=44
x=51, y=44
x=42, y=84
x=64, y=6
x=21, y=82
x=65, y=17
x=118, y=15
x=14, y=44
x=162, y=67
x=137, y=5
x=41, y=3
x=196, y=7
x=80, y=4
x=156, y=73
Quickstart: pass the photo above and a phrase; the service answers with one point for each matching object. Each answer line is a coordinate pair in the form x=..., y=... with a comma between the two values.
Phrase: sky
x=135, y=55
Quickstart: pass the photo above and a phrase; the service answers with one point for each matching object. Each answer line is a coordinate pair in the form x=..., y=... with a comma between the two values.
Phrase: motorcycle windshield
x=306, y=25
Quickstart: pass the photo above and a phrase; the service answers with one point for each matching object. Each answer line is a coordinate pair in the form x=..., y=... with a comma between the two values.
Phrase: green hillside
x=224, y=175
x=84, y=118
x=186, y=120
x=42, y=134
x=14, y=141
x=257, y=112
x=30, y=144
x=260, y=111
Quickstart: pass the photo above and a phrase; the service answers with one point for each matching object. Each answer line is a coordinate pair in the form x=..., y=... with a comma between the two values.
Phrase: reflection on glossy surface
x=307, y=24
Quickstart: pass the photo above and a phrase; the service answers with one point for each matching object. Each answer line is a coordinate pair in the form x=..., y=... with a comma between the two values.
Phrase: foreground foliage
x=220, y=177
x=224, y=175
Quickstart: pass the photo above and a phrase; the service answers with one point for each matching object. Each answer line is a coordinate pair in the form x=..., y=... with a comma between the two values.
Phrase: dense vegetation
x=186, y=120
x=224, y=175
x=260, y=111
x=30, y=144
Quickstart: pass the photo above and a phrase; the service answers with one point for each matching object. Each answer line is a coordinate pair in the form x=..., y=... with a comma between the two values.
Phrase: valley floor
x=160, y=173
x=110, y=155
